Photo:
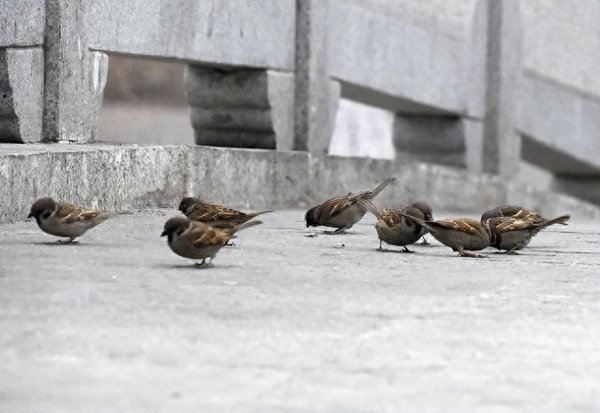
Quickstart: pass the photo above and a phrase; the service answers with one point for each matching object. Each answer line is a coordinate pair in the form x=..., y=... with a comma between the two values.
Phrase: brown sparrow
x=197, y=240
x=396, y=229
x=461, y=234
x=520, y=213
x=64, y=220
x=343, y=211
x=214, y=214
x=511, y=234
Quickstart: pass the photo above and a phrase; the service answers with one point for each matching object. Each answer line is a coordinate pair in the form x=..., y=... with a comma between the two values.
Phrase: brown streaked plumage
x=64, y=220
x=396, y=229
x=511, y=234
x=214, y=214
x=342, y=212
x=521, y=213
x=197, y=240
x=461, y=234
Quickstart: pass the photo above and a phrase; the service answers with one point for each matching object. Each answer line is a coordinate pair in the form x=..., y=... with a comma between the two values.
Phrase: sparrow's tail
x=251, y=215
x=419, y=221
x=245, y=225
x=373, y=193
x=370, y=206
x=561, y=219
x=101, y=217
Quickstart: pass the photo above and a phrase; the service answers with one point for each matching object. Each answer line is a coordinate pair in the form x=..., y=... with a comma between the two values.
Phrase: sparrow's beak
x=163, y=233
x=30, y=215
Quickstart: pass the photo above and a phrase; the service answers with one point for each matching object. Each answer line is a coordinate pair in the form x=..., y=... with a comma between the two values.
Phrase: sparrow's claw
x=406, y=249
x=230, y=244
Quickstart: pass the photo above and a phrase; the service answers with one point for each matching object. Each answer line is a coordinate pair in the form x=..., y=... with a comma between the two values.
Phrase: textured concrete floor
x=286, y=322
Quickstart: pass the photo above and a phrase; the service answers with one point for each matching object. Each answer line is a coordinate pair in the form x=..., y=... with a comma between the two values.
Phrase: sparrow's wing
x=334, y=206
x=468, y=226
x=507, y=224
x=202, y=235
x=206, y=212
x=69, y=213
x=391, y=217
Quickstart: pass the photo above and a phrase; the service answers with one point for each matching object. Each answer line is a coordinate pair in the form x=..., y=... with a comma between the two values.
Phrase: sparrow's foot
x=69, y=241
x=205, y=263
x=406, y=249
x=512, y=252
x=230, y=244
x=336, y=232
x=424, y=241
x=465, y=253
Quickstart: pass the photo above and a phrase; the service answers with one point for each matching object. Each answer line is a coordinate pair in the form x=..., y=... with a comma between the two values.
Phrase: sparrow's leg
x=424, y=241
x=513, y=251
x=464, y=253
x=336, y=232
x=406, y=249
x=380, y=247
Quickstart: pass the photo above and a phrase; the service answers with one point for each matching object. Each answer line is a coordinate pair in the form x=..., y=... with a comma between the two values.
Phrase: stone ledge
x=120, y=177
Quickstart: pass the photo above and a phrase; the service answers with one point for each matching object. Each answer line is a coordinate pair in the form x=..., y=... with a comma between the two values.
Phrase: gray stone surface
x=22, y=23
x=74, y=75
x=501, y=145
x=369, y=46
x=316, y=94
x=563, y=123
x=25, y=91
x=244, y=108
x=21, y=94
x=117, y=177
x=285, y=322
x=256, y=34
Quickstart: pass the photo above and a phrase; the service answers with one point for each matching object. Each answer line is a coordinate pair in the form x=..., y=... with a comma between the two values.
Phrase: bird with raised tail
x=511, y=234
x=64, y=220
x=197, y=240
x=342, y=212
x=535, y=223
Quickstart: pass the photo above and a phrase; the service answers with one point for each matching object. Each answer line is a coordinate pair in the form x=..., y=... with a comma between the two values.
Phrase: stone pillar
x=75, y=76
x=21, y=94
x=244, y=108
x=317, y=96
x=501, y=147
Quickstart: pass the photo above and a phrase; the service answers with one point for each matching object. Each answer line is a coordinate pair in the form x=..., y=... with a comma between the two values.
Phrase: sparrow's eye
x=46, y=214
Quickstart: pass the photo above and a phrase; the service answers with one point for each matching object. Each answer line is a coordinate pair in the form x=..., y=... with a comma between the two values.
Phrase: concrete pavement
x=288, y=322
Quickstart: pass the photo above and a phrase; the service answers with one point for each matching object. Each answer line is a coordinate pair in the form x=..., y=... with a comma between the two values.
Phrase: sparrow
x=344, y=211
x=396, y=229
x=461, y=234
x=521, y=213
x=511, y=234
x=64, y=220
x=214, y=214
x=197, y=240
